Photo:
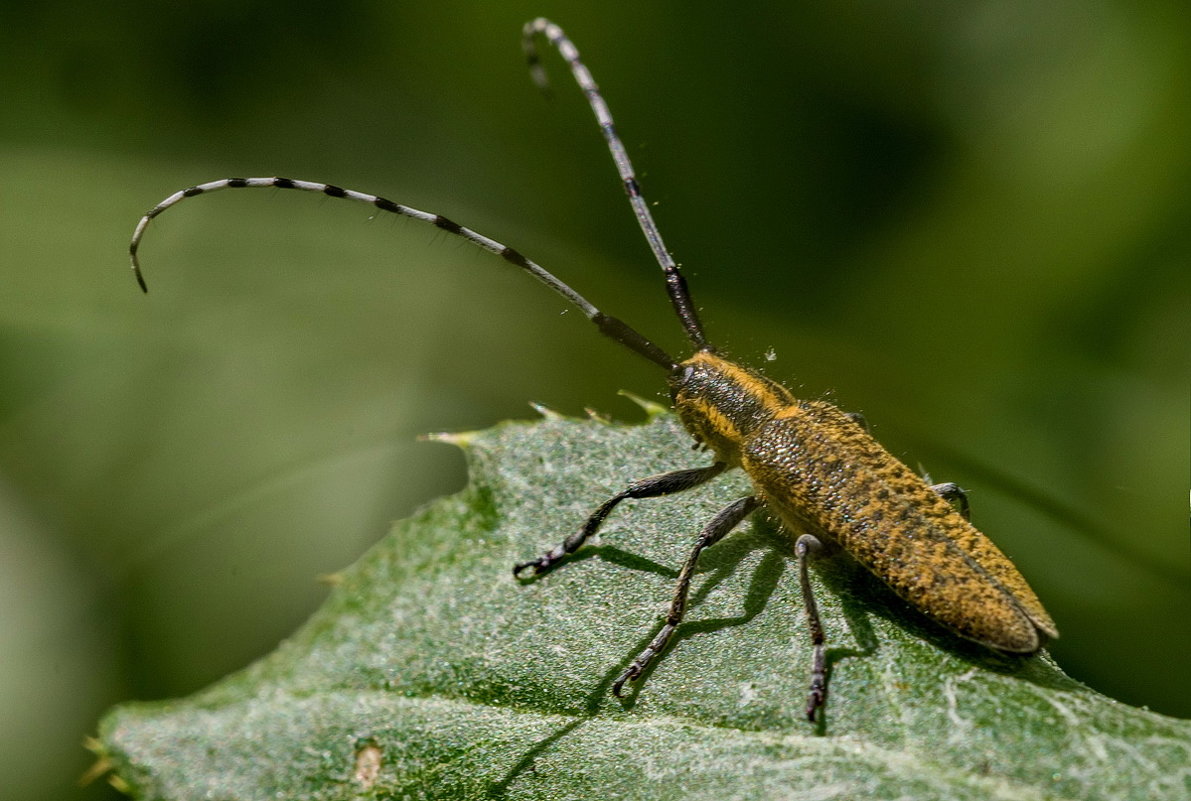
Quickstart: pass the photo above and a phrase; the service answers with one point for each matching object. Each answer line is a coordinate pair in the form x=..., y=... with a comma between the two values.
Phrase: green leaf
x=432, y=673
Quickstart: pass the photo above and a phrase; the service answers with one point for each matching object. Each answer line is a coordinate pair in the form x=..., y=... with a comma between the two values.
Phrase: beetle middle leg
x=720, y=525
x=652, y=487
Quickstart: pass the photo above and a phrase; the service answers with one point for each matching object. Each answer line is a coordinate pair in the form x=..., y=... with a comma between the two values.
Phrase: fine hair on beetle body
x=815, y=468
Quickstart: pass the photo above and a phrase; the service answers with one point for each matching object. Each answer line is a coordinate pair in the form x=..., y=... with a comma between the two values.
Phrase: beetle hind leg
x=952, y=492
x=805, y=549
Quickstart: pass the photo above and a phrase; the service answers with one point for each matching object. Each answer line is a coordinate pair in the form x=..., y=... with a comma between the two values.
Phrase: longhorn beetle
x=814, y=467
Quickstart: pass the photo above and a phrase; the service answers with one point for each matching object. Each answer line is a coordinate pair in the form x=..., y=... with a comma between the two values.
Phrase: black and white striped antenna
x=680, y=296
x=610, y=326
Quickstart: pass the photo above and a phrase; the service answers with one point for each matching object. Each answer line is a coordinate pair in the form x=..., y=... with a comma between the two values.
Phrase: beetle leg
x=806, y=546
x=951, y=491
x=859, y=419
x=713, y=532
x=652, y=487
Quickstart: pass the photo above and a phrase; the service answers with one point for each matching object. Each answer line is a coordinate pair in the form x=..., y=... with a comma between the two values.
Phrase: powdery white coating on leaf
x=474, y=685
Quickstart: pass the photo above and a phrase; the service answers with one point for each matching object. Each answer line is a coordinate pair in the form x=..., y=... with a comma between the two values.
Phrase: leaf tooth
x=652, y=408
x=460, y=439
x=545, y=411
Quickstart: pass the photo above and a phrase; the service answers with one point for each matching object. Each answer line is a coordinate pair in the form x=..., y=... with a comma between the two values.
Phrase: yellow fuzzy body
x=820, y=472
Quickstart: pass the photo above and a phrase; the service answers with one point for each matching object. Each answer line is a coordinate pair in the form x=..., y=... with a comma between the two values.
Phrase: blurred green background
x=970, y=221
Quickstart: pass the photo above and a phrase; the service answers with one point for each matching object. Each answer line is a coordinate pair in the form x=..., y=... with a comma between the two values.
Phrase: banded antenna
x=680, y=296
x=608, y=325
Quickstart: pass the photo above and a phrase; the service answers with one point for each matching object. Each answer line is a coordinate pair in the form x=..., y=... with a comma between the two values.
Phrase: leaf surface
x=432, y=673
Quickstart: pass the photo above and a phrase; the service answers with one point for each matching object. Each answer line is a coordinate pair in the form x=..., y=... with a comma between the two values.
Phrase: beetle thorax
x=722, y=404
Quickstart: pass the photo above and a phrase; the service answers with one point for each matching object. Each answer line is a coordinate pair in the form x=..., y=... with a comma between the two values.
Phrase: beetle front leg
x=652, y=487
